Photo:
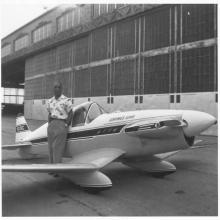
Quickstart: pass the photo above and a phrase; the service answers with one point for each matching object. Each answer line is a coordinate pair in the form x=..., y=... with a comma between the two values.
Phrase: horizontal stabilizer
x=16, y=146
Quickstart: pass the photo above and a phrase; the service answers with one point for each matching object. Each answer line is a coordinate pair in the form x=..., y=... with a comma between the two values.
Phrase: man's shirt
x=59, y=108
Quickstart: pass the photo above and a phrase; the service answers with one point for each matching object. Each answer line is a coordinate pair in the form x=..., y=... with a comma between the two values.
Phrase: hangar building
x=123, y=56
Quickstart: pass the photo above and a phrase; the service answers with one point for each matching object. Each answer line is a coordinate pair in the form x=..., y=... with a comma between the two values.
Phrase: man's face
x=57, y=89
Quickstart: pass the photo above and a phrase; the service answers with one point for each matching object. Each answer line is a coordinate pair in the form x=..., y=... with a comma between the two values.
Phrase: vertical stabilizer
x=22, y=129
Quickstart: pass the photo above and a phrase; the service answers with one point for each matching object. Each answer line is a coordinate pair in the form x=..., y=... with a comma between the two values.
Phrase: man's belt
x=60, y=119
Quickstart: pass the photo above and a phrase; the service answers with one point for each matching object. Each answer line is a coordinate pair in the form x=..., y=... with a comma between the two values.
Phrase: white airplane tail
x=22, y=129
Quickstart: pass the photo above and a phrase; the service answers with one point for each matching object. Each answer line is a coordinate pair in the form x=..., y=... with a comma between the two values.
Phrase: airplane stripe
x=86, y=133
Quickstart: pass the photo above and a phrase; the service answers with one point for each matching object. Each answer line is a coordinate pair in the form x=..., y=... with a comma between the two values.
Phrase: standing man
x=59, y=119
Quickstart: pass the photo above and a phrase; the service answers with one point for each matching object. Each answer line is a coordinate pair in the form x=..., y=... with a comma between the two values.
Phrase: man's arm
x=49, y=117
x=69, y=118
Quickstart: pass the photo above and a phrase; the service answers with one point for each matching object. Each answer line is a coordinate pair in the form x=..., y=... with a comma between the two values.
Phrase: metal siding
x=103, y=8
x=125, y=37
x=99, y=44
x=157, y=29
x=49, y=85
x=28, y=90
x=76, y=17
x=156, y=75
x=81, y=51
x=37, y=88
x=65, y=79
x=99, y=81
x=111, y=7
x=198, y=70
x=123, y=79
x=41, y=63
x=85, y=13
x=64, y=56
x=82, y=83
x=198, y=22
x=95, y=10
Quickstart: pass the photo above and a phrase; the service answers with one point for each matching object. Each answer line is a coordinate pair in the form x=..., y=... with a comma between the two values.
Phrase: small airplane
x=139, y=139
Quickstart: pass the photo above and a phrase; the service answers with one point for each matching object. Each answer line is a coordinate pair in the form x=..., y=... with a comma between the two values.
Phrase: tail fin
x=22, y=129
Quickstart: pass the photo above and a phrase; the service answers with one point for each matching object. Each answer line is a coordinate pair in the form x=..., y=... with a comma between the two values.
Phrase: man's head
x=57, y=89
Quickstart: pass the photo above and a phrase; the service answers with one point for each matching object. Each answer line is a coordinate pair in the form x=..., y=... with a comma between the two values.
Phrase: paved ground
x=191, y=191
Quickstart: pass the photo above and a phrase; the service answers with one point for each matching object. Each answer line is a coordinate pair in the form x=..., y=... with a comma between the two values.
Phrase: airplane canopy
x=86, y=113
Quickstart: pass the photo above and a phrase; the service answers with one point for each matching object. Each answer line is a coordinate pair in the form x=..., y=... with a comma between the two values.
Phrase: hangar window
x=6, y=50
x=68, y=20
x=42, y=32
x=21, y=42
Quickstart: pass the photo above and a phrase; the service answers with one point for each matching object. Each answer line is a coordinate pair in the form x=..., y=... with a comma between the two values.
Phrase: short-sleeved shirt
x=59, y=108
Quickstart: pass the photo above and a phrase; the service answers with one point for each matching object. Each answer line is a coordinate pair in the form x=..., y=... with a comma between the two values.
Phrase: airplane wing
x=98, y=157
x=45, y=168
x=16, y=146
x=83, y=170
x=91, y=160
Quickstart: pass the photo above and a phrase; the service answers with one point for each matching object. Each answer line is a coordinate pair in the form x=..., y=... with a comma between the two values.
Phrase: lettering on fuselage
x=122, y=118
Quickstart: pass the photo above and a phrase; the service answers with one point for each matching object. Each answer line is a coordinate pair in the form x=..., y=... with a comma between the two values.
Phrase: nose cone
x=197, y=122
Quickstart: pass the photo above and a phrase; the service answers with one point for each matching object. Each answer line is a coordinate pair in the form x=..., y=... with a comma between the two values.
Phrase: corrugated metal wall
x=99, y=44
x=198, y=69
x=156, y=74
x=157, y=29
x=157, y=52
x=99, y=81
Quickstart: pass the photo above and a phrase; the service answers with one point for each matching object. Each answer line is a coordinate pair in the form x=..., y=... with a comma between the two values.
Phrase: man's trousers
x=57, y=133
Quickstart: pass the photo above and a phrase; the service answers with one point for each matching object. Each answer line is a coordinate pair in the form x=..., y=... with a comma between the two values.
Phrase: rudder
x=22, y=129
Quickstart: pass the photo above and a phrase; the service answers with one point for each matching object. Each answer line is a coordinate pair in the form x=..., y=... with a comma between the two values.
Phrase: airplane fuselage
x=112, y=130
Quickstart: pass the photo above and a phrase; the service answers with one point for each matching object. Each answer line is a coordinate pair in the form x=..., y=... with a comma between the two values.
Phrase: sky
x=15, y=16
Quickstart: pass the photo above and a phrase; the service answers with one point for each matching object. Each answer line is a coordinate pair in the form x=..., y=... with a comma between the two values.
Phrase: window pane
x=21, y=42
x=20, y=99
x=20, y=91
x=42, y=32
x=7, y=91
x=6, y=50
x=7, y=99
x=13, y=91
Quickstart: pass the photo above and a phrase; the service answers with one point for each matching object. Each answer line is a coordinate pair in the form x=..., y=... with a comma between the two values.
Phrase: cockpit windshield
x=94, y=111
x=86, y=113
